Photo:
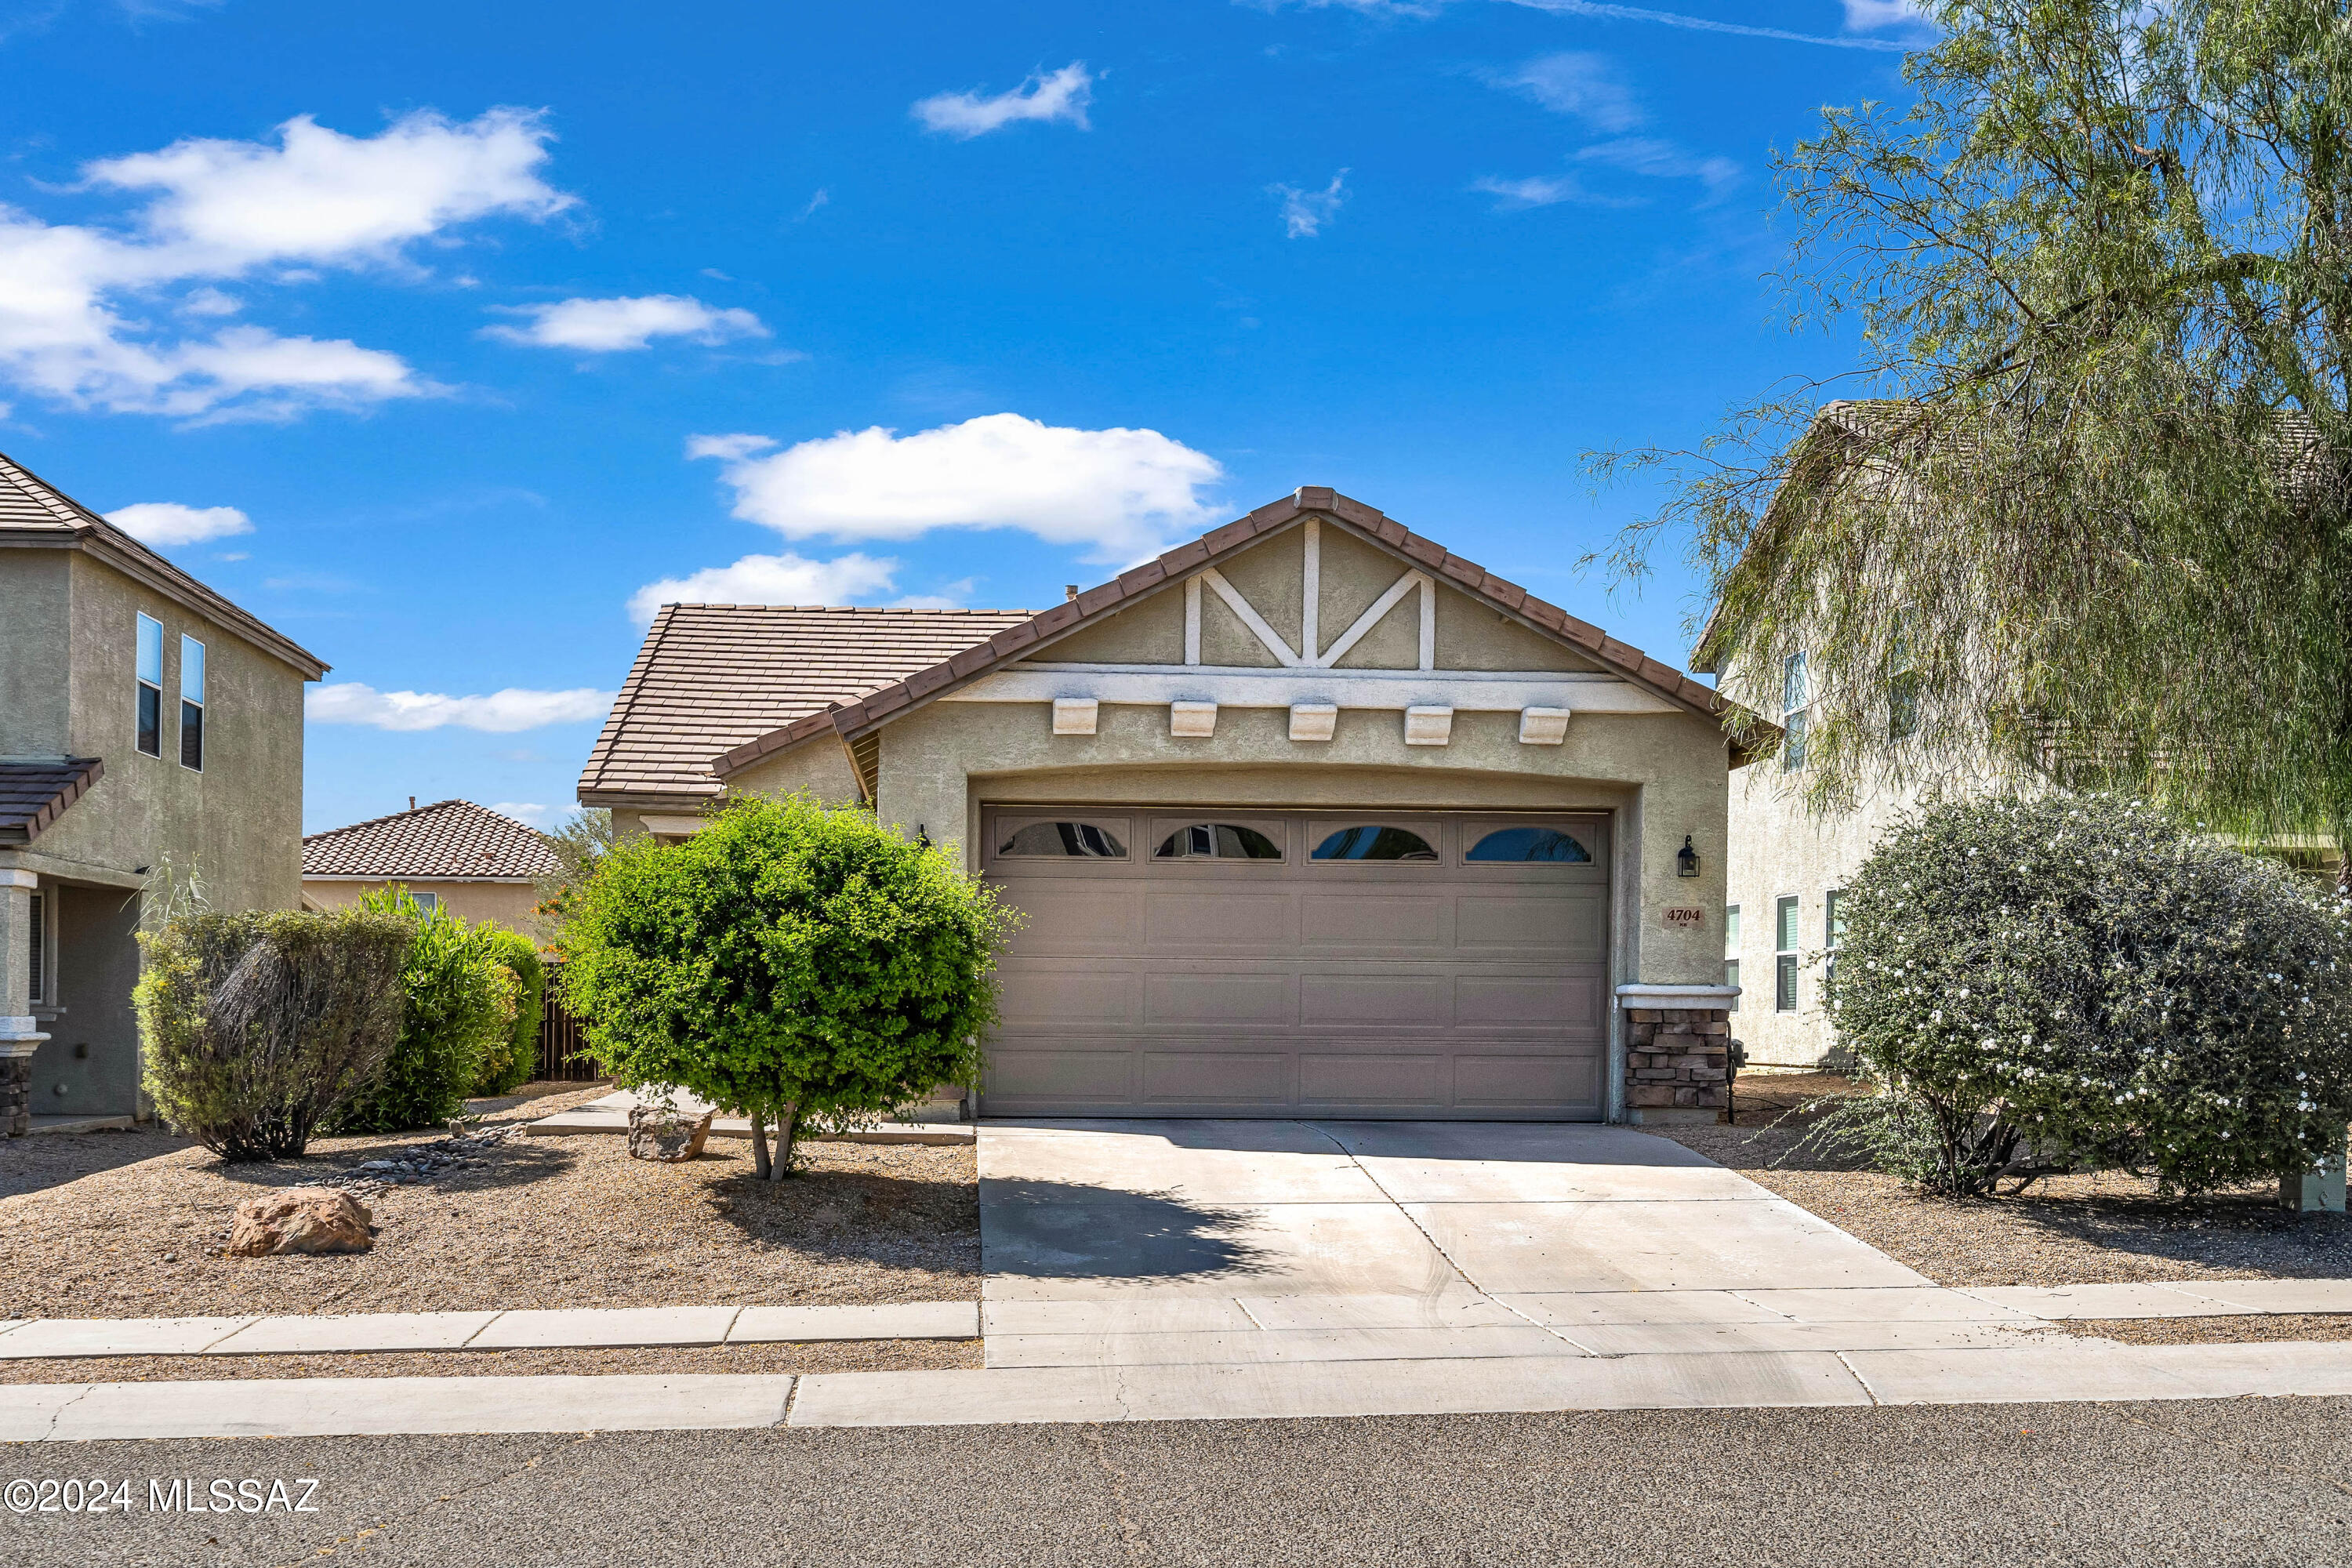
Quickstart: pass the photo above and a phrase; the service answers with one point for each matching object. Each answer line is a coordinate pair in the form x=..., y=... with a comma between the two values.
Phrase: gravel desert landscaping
x=110, y=1224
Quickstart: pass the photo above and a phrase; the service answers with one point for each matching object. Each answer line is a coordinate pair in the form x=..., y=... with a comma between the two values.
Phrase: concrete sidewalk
x=2074, y=1372
x=577, y=1328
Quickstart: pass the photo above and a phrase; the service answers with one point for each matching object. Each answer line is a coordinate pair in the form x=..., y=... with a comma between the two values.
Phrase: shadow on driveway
x=1066, y=1230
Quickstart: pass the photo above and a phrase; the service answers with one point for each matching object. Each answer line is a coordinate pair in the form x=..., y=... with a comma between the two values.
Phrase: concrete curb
x=397, y=1405
x=579, y=1327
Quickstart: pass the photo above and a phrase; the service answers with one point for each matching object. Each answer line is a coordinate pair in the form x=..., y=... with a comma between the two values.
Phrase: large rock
x=301, y=1219
x=662, y=1133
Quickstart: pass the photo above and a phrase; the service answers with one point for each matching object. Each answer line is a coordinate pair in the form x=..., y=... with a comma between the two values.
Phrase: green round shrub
x=459, y=1003
x=786, y=962
x=2060, y=982
x=509, y=1064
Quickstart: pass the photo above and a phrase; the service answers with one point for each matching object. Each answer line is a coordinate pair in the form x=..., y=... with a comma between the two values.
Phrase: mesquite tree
x=2089, y=507
x=787, y=962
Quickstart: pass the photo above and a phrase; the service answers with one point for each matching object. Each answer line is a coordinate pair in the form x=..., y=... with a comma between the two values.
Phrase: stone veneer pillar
x=19, y=1033
x=1677, y=1052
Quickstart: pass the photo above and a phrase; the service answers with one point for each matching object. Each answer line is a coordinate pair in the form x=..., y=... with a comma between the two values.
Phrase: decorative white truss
x=1306, y=680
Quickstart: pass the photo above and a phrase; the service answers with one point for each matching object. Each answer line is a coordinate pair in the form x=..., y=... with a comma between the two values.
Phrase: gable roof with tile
x=33, y=511
x=851, y=720
x=449, y=841
x=709, y=677
x=33, y=794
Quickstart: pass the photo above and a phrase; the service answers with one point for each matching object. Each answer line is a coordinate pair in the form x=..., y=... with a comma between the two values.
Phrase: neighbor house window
x=192, y=704
x=1784, y=955
x=1731, y=950
x=1902, y=689
x=1796, y=698
x=428, y=902
x=1832, y=926
x=151, y=686
x=40, y=992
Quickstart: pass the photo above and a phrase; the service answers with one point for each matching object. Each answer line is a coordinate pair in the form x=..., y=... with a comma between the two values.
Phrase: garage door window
x=1530, y=843
x=1063, y=841
x=1371, y=842
x=1217, y=841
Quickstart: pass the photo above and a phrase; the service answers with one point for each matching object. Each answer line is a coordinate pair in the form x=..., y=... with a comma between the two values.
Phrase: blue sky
x=447, y=339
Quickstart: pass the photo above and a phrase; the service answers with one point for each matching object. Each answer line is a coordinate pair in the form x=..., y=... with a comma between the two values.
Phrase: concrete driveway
x=1134, y=1242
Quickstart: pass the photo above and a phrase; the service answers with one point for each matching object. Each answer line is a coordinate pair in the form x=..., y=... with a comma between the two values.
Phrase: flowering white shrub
x=2047, y=983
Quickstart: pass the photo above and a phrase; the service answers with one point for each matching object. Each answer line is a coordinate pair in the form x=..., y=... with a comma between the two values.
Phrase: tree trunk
x=759, y=1146
x=788, y=1132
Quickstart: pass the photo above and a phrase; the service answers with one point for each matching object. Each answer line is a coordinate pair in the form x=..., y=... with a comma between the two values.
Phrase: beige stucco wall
x=69, y=644
x=509, y=904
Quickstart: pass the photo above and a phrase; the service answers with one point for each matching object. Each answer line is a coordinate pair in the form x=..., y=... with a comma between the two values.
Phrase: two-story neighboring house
x=148, y=727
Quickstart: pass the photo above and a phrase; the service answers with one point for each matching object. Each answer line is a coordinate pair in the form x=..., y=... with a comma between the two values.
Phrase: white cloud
x=525, y=812
x=1878, y=16
x=1060, y=96
x=79, y=320
x=501, y=712
x=167, y=522
x=785, y=579
x=1584, y=85
x=1614, y=13
x=603, y=326
x=1119, y=494
x=1644, y=157
x=1304, y=213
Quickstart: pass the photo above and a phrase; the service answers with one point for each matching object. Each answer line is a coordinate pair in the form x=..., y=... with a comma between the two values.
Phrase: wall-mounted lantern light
x=1686, y=859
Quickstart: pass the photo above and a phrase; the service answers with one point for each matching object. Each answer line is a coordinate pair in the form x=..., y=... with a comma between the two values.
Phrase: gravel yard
x=2071, y=1230
x=124, y=1224
x=852, y=1356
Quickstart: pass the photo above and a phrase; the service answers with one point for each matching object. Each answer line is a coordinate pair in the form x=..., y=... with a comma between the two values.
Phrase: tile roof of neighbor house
x=31, y=507
x=850, y=718
x=450, y=840
x=711, y=677
x=34, y=794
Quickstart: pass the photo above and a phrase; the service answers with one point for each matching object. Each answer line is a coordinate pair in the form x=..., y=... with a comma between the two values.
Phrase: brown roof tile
x=450, y=840
x=710, y=677
x=33, y=794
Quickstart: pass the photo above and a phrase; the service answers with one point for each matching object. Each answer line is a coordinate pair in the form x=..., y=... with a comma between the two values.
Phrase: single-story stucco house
x=466, y=858
x=146, y=725
x=1307, y=817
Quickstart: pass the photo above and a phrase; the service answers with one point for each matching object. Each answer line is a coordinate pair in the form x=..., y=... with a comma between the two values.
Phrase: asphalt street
x=2253, y=1481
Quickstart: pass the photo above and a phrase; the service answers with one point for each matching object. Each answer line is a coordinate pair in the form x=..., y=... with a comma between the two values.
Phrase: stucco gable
x=1187, y=576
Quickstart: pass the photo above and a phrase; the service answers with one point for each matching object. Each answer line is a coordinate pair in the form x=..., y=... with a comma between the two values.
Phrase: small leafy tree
x=459, y=1006
x=2041, y=984
x=255, y=1026
x=508, y=1064
x=578, y=846
x=787, y=962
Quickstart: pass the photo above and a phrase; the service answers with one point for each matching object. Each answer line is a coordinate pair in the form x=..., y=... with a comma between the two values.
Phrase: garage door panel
x=1370, y=986
x=1527, y=920
x=1392, y=1000
x=1216, y=1078
x=1388, y=1080
x=1070, y=916
x=1359, y=917
x=1219, y=919
x=1221, y=998
x=1042, y=994
x=1513, y=1082
x=1548, y=1002
x=1074, y=1076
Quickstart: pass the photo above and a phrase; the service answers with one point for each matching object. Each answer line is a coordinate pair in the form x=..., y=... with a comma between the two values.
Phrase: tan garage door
x=1365, y=964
